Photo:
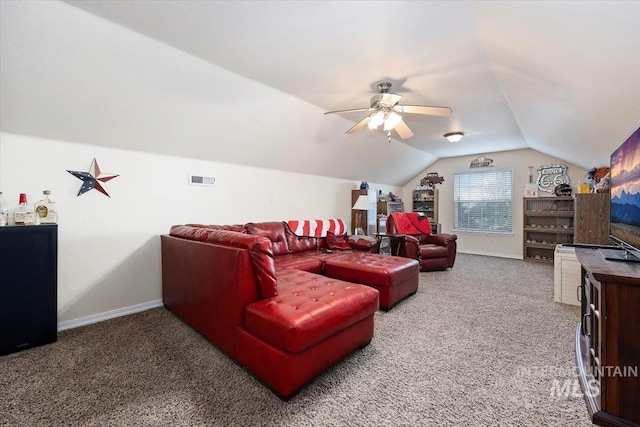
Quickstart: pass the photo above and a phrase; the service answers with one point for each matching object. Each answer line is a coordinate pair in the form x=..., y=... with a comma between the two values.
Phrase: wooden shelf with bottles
x=426, y=203
x=548, y=221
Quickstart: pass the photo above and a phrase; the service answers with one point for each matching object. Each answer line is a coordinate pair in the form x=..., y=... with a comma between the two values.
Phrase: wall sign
x=481, y=162
x=550, y=176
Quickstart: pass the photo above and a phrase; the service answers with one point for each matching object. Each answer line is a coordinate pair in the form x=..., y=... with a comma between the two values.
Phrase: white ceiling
x=560, y=77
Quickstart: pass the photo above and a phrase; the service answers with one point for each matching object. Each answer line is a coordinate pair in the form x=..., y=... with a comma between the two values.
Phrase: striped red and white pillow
x=317, y=227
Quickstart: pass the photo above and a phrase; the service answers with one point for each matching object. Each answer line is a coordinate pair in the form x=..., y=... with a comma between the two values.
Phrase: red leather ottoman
x=394, y=277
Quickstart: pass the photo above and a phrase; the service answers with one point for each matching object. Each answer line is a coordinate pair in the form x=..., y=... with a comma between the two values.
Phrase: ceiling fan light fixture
x=385, y=108
x=454, y=136
x=376, y=120
x=391, y=121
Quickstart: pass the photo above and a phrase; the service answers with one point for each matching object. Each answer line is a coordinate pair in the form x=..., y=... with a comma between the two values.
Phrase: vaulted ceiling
x=558, y=77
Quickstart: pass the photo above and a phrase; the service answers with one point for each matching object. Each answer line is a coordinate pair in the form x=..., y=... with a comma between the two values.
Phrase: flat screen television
x=624, y=226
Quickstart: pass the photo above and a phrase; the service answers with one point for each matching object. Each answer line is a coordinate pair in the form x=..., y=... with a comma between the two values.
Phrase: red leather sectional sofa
x=276, y=302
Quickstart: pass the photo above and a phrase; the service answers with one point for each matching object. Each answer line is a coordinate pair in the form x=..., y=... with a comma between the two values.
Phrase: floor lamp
x=362, y=204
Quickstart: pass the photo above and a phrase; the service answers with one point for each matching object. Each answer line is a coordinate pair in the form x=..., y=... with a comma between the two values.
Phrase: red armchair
x=434, y=252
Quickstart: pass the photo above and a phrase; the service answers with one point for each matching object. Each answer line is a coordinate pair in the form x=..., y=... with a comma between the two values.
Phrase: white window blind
x=483, y=200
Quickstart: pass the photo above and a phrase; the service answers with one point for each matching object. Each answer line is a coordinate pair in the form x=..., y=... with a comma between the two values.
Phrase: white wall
x=68, y=75
x=487, y=244
x=109, y=247
x=97, y=89
x=82, y=87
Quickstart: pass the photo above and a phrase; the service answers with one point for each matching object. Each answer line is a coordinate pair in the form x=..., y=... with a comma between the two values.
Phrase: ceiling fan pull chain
x=389, y=136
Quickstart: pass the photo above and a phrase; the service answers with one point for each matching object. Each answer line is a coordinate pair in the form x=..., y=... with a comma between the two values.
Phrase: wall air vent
x=208, y=181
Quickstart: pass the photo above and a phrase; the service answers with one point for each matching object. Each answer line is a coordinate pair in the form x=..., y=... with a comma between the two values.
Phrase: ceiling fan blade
x=423, y=109
x=403, y=130
x=389, y=99
x=359, y=125
x=352, y=110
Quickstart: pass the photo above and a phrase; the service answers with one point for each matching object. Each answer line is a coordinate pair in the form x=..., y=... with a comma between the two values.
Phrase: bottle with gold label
x=23, y=215
x=46, y=210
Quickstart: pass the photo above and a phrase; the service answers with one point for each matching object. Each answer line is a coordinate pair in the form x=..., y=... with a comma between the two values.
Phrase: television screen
x=624, y=228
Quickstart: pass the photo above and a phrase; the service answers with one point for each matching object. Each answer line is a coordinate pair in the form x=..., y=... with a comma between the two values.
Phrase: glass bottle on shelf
x=46, y=210
x=23, y=215
x=4, y=212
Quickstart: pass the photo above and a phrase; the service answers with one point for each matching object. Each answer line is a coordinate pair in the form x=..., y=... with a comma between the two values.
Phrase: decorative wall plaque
x=94, y=179
x=550, y=176
x=431, y=179
x=481, y=162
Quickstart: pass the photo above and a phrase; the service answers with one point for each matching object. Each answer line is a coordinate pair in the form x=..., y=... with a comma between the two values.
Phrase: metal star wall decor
x=93, y=179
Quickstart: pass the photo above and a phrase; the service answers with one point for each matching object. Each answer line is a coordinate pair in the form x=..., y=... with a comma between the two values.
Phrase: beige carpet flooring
x=478, y=345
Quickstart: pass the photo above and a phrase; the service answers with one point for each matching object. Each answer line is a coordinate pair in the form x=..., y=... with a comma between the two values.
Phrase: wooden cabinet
x=548, y=221
x=591, y=223
x=361, y=218
x=384, y=209
x=608, y=339
x=426, y=202
x=29, y=286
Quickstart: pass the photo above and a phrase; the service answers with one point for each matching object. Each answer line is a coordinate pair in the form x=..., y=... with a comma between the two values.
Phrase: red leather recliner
x=434, y=252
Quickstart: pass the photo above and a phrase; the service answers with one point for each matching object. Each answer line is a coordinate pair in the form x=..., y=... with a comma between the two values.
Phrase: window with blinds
x=483, y=200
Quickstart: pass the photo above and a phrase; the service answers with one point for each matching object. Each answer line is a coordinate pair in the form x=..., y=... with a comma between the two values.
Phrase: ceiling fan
x=385, y=111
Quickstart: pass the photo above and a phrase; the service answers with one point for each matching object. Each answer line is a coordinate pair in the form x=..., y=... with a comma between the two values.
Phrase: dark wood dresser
x=608, y=339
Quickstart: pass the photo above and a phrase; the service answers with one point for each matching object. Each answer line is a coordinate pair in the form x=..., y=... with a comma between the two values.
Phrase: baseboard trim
x=491, y=254
x=101, y=317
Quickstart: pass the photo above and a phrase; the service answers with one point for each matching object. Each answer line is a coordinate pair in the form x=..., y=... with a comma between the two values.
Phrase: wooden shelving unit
x=548, y=221
x=426, y=203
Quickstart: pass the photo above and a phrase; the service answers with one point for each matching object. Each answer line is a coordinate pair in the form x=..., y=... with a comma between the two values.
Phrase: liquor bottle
x=23, y=215
x=46, y=210
x=4, y=212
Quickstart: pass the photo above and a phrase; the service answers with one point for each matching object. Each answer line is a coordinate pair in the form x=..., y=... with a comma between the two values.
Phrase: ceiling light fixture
x=454, y=136
x=391, y=120
x=386, y=117
x=377, y=119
